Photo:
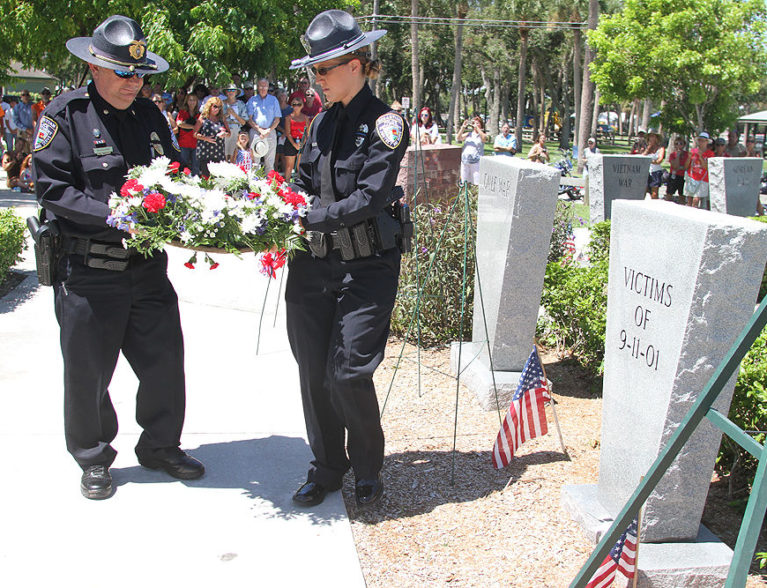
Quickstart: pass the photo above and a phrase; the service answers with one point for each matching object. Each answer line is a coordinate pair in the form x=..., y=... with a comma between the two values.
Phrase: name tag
x=102, y=150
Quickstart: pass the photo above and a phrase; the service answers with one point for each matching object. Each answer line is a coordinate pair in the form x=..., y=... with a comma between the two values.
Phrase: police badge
x=389, y=127
x=46, y=131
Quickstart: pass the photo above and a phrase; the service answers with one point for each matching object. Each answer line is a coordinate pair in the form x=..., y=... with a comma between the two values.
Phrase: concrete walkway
x=234, y=527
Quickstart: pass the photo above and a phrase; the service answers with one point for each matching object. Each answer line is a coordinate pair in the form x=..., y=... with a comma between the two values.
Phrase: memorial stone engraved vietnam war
x=515, y=216
x=613, y=177
x=734, y=184
x=670, y=321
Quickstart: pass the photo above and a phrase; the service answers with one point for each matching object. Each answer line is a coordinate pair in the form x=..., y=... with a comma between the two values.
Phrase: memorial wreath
x=230, y=211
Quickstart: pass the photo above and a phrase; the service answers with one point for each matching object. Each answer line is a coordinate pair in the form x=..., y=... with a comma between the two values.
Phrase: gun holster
x=47, y=238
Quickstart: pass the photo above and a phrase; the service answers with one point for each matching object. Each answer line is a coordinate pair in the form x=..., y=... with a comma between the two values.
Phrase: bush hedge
x=12, y=242
x=437, y=267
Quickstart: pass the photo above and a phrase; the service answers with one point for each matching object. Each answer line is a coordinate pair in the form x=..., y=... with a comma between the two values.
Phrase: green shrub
x=763, y=287
x=440, y=244
x=12, y=241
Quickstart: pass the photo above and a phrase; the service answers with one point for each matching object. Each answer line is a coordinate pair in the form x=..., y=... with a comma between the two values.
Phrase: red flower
x=154, y=202
x=174, y=166
x=244, y=167
x=213, y=265
x=189, y=264
x=187, y=171
x=271, y=262
x=293, y=198
x=274, y=175
x=252, y=195
x=130, y=187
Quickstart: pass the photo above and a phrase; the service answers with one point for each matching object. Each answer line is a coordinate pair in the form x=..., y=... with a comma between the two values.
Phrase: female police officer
x=339, y=296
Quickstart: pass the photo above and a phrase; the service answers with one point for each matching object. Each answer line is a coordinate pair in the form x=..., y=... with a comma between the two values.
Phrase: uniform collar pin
x=96, y=133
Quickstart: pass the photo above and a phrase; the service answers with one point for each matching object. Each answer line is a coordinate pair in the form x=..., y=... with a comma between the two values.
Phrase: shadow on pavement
x=417, y=482
x=267, y=469
x=21, y=293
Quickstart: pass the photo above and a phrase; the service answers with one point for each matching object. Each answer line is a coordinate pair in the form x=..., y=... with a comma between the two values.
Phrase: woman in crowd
x=426, y=129
x=160, y=103
x=677, y=161
x=211, y=131
x=696, y=173
x=657, y=151
x=588, y=154
x=473, y=148
x=538, y=152
x=177, y=104
x=186, y=121
x=751, y=148
x=295, y=125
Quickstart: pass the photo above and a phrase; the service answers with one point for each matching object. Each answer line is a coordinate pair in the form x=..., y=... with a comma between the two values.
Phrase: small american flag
x=526, y=418
x=622, y=557
x=569, y=245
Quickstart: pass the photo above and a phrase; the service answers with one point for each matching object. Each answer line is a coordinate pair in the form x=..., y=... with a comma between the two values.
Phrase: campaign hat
x=118, y=43
x=331, y=34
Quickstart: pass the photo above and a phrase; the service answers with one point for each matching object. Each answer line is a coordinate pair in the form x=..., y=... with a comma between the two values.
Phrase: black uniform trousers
x=101, y=313
x=338, y=315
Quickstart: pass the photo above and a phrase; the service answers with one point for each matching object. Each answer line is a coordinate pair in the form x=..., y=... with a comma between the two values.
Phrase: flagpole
x=551, y=403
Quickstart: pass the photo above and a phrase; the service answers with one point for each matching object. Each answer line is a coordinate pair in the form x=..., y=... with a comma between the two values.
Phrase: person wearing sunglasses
x=211, y=132
x=340, y=293
x=159, y=102
x=312, y=104
x=109, y=299
x=295, y=126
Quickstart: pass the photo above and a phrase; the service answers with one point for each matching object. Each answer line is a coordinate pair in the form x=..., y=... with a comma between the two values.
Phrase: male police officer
x=108, y=299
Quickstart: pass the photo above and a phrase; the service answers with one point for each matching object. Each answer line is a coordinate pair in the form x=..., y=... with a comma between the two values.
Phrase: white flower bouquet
x=230, y=211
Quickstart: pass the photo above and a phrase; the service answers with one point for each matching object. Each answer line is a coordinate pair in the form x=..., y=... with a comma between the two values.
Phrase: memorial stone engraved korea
x=515, y=215
x=734, y=184
x=670, y=320
x=613, y=177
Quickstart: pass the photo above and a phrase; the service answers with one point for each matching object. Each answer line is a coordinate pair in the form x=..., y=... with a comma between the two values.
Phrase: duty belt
x=114, y=257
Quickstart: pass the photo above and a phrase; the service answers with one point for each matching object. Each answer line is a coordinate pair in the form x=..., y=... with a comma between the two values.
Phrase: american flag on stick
x=622, y=558
x=526, y=418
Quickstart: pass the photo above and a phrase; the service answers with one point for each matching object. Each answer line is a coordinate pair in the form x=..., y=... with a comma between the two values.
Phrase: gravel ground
x=450, y=517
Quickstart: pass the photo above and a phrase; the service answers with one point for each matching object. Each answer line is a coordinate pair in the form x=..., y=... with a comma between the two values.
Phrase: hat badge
x=137, y=49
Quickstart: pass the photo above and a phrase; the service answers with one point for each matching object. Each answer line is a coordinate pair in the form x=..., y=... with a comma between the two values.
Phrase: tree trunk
x=577, y=57
x=595, y=117
x=647, y=107
x=587, y=89
x=414, y=70
x=455, y=89
x=523, y=33
x=505, y=102
x=374, y=85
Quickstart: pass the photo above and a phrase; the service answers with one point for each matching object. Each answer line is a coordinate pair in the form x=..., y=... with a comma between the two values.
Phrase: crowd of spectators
x=239, y=122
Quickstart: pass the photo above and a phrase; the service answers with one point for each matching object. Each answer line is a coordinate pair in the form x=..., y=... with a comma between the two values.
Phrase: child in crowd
x=241, y=155
x=696, y=177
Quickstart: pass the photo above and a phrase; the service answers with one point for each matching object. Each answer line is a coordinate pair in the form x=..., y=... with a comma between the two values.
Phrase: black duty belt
x=98, y=254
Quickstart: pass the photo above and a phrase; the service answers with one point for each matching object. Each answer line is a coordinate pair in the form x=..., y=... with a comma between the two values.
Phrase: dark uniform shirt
x=82, y=151
x=368, y=142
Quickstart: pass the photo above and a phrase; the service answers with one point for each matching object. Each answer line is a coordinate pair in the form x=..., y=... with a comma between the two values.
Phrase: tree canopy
x=696, y=58
x=207, y=39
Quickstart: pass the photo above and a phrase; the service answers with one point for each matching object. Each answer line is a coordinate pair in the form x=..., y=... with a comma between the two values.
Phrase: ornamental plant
x=11, y=240
x=230, y=211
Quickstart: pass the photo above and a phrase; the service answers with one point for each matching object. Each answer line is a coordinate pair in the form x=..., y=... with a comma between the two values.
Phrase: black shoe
x=96, y=482
x=368, y=492
x=174, y=461
x=312, y=494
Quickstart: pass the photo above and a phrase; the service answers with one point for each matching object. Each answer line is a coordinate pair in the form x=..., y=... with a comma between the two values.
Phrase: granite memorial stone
x=613, y=177
x=670, y=321
x=734, y=184
x=515, y=216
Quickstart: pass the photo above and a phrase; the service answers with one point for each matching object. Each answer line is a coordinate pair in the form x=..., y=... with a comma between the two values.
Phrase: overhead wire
x=471, y=22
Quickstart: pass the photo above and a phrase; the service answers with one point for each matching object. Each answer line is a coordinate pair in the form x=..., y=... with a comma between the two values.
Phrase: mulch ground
x=448, y=517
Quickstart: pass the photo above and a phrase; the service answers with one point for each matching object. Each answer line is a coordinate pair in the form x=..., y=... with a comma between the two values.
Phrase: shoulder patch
x=389, y=127
x=46, y=131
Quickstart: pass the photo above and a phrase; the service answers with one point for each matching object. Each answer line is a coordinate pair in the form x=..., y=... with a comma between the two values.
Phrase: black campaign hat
x=118, y=43
x=331, y=34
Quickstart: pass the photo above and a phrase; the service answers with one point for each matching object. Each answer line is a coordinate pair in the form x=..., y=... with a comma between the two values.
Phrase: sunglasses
x=323, y=71
x=297, y=104
x=126, y=75
x=215, y=106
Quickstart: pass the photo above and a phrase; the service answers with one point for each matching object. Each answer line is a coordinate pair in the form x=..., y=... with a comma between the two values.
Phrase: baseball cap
x=704, y=135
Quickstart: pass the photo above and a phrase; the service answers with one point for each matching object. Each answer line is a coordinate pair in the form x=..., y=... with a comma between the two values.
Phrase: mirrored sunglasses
x=126, y=75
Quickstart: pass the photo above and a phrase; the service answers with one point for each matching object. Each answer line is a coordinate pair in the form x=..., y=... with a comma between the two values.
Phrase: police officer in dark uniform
x=107, y=298
x=340, y=294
